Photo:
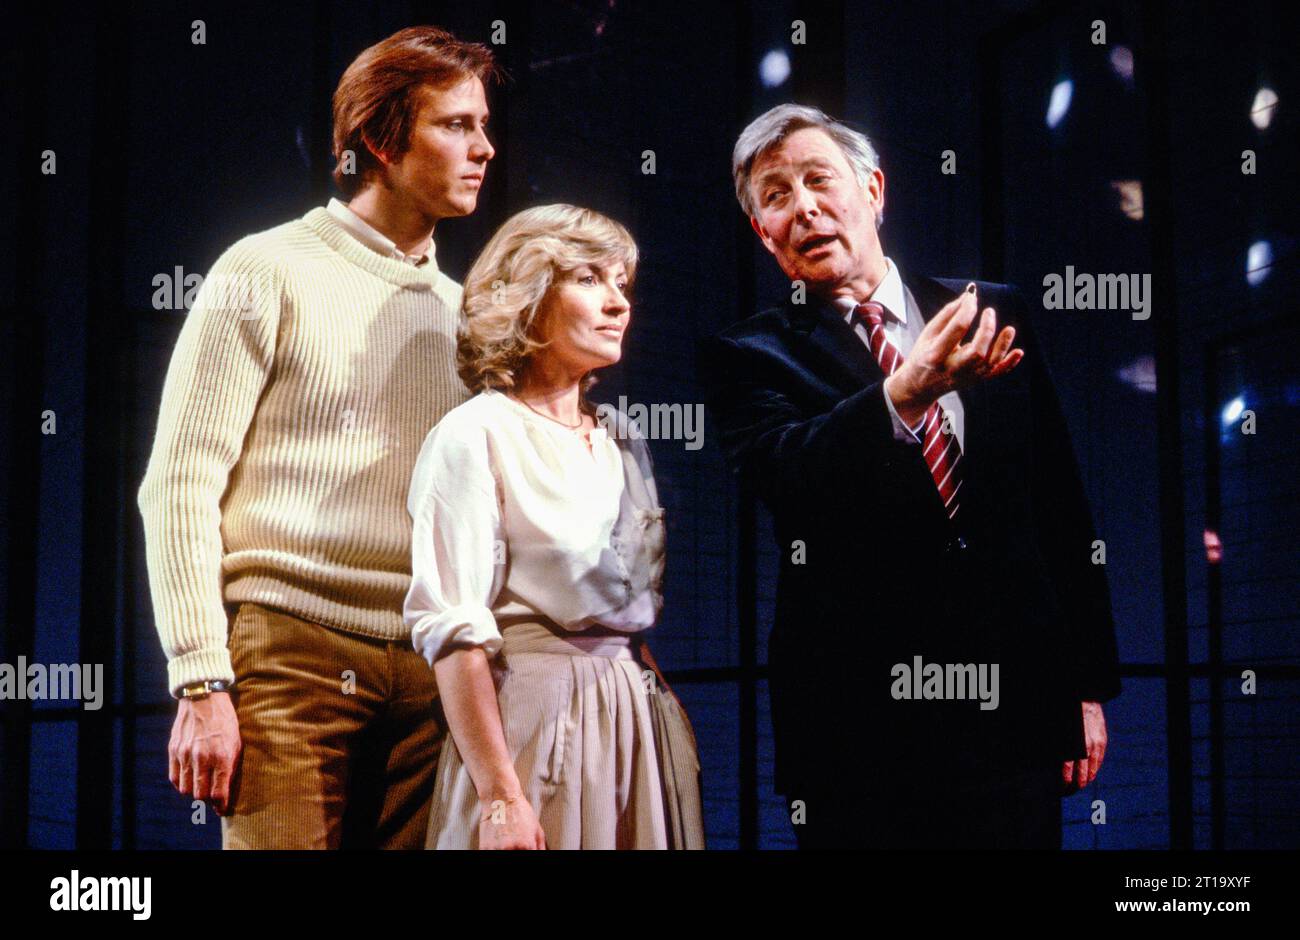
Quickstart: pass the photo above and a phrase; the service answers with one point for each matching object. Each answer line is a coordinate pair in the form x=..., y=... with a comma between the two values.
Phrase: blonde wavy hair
x=509, y=280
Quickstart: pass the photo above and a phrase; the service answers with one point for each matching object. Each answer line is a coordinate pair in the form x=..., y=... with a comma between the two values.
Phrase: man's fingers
x=218, y=773
x=1097, y=754
x=1009, y=362
x=1067, y=776
x=984, y=335
x=1074, y=775
x=945, y=314
x=956, y=328
x=973, y=357
x=1002, y=344
x=223, y=778
x=202, y=777
x=220, y=789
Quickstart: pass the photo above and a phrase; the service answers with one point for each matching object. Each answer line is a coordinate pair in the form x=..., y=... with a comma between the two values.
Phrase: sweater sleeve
x=457, y=545
x=218, y=371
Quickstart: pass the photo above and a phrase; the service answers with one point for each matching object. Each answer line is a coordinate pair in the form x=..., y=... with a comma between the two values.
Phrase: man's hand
x=937, y=365
x=1077, y=774
x=204, y=749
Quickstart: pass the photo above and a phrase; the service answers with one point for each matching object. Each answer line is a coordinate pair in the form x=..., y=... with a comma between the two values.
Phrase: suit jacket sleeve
x=1065, y=533
x=793, y=457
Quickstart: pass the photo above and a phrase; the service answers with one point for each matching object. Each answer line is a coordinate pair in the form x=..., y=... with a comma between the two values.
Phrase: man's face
x=810, y=212
x=443, y=170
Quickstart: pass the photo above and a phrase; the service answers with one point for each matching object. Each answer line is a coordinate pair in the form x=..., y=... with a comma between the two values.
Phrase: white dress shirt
x=371, y=237
x=512, y=517
x=903, y=324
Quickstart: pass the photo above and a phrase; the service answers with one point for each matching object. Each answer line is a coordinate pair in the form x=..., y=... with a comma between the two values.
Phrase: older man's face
x=810, y=212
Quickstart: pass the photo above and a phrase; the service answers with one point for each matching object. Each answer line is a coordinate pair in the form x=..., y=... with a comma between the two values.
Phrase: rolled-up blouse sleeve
x=457, y=546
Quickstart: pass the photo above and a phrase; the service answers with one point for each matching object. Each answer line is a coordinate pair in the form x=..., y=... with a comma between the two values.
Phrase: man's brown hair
x=380, y=94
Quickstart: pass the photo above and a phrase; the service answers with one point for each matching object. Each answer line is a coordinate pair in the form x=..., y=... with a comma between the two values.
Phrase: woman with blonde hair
x=538, y=550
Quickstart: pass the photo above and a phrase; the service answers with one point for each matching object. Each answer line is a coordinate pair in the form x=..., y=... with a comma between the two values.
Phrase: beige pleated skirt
x=604, y=753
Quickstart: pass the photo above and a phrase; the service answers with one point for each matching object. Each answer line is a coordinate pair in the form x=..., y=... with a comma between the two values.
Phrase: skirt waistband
x=530, y=637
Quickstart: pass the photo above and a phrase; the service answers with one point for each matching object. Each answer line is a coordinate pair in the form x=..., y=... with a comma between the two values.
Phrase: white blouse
x=512, y=519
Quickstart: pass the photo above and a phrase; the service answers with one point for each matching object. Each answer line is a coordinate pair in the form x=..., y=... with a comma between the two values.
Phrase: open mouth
x=809, y=245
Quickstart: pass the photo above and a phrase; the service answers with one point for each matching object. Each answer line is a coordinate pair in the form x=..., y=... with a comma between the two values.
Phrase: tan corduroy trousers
x=340, y=737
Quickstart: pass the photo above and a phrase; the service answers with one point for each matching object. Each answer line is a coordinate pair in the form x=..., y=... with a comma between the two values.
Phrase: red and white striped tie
x=940, y=450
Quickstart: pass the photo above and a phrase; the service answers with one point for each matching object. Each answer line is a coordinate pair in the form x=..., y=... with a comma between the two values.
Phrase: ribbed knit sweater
x=304, y=381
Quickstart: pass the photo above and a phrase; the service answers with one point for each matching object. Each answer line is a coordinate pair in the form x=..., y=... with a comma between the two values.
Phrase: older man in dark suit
x=943, y=638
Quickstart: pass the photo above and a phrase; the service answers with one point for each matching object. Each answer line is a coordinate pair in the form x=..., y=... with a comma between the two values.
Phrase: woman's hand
x=469, y=700
x=509, y=824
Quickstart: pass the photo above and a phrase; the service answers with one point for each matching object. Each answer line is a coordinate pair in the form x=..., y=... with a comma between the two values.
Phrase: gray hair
x=770, y=128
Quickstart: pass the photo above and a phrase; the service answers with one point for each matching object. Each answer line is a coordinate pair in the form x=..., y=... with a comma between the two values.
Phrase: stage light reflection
x=1213, y=547
x=1140, y=374
x=1121, y=60
x=1261, y=111
x=1060, y=102
x=775, y=68
x=1259, y=261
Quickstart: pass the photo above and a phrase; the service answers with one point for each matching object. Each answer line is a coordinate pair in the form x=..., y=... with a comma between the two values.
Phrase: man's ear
x=762, y=235
x=375, y=151
x=875, y=189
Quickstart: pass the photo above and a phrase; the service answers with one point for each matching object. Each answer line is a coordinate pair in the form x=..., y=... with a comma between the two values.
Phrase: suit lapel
x=844, y=358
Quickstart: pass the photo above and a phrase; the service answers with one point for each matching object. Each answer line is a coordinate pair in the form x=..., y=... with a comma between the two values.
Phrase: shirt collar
x=888, y=293
x=370, y=236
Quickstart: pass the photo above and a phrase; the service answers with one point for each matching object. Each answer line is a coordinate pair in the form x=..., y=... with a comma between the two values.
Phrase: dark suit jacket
x=797, y=400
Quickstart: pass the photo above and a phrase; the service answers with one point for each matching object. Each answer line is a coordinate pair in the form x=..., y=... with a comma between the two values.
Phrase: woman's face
x=583, y=317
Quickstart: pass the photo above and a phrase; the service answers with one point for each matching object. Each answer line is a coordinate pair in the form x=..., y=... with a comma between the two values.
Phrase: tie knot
x=871, y=312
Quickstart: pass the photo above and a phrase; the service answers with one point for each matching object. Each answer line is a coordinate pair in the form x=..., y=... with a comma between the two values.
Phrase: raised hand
x=939, y=362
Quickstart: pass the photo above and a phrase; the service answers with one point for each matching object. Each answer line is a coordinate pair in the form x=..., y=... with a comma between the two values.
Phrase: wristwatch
x=198, y=690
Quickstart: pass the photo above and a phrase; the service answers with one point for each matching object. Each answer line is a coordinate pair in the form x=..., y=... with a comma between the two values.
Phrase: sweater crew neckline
x=334, y=234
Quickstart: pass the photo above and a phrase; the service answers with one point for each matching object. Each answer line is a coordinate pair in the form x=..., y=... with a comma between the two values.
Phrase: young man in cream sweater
x=316, y=358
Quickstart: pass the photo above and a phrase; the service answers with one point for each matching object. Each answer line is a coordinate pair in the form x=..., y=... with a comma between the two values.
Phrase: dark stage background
x=168, y=152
